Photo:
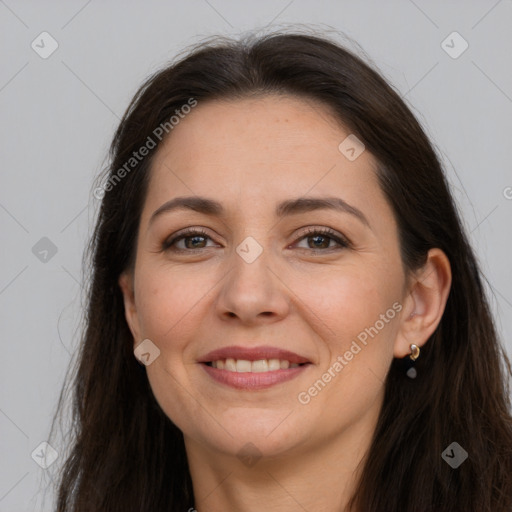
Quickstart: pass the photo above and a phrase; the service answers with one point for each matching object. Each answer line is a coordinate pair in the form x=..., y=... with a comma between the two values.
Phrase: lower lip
x=253, y=380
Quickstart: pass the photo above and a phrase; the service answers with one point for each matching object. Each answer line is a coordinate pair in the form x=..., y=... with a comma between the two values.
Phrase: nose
x=254, y=292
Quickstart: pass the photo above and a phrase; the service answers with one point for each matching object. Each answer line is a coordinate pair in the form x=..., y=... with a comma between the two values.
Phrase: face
x=276, y=303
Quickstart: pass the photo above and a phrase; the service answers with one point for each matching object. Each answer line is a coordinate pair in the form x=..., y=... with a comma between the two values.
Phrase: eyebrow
x=289, y=207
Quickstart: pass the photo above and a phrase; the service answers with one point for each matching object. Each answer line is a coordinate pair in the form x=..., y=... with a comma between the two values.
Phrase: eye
x=320, y=239
x=316, y=239
x=192, y=239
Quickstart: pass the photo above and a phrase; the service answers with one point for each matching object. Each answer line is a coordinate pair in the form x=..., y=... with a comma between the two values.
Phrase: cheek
x=346, y=302
x=168, y=303
x=171, y=306
x=359, y=313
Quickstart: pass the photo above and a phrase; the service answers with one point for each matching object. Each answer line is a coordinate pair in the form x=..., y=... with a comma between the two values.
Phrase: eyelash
x=324, y=232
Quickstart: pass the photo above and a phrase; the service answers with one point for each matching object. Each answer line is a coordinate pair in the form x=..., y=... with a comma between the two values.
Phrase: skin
x=250, y=154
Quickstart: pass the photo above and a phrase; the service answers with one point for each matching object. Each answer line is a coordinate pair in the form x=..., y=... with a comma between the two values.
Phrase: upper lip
x=253, y=354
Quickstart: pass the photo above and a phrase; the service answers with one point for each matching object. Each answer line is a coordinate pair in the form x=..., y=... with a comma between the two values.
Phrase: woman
x=284, y=311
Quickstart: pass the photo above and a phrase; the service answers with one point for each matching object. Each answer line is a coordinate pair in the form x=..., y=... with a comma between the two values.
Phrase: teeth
x=274, y=364
x=242, y=365
x=260, y=366
x=230, y=365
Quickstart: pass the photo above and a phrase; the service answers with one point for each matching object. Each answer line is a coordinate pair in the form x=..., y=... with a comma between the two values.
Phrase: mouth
x=258, y=366
x=253, y=368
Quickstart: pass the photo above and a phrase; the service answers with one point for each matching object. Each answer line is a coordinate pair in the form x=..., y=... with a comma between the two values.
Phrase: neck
x=320, y=476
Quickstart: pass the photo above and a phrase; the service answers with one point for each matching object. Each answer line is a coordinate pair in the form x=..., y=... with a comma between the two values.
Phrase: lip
x=256, y=380
x=253, y=381
x=253, y=354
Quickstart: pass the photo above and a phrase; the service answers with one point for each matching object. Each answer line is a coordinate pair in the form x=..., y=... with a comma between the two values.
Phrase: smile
x=254, y=380
x=259, y=366
x=253, y=368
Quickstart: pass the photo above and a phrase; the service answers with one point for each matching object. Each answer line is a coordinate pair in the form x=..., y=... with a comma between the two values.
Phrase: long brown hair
x=125, y=454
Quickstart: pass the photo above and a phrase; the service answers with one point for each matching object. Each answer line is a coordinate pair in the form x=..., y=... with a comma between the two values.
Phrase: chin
x=268, y=433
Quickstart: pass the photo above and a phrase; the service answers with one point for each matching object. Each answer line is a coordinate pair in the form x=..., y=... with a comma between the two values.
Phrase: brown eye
x=319, y=241
x=322, y=238
x=194, y=242
x=192, y=239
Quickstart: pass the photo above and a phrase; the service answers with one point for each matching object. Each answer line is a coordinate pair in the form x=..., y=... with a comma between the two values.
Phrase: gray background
x=58, y=115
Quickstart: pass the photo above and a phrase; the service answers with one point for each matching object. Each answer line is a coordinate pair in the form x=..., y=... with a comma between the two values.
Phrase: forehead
x=263, y=127
x=259, y=150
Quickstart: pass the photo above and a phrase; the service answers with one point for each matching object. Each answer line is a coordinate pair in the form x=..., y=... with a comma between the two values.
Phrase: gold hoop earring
x=415, y=352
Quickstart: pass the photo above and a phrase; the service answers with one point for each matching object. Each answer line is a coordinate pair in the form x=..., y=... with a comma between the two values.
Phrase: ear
x=126, y=283
x=425, y=301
